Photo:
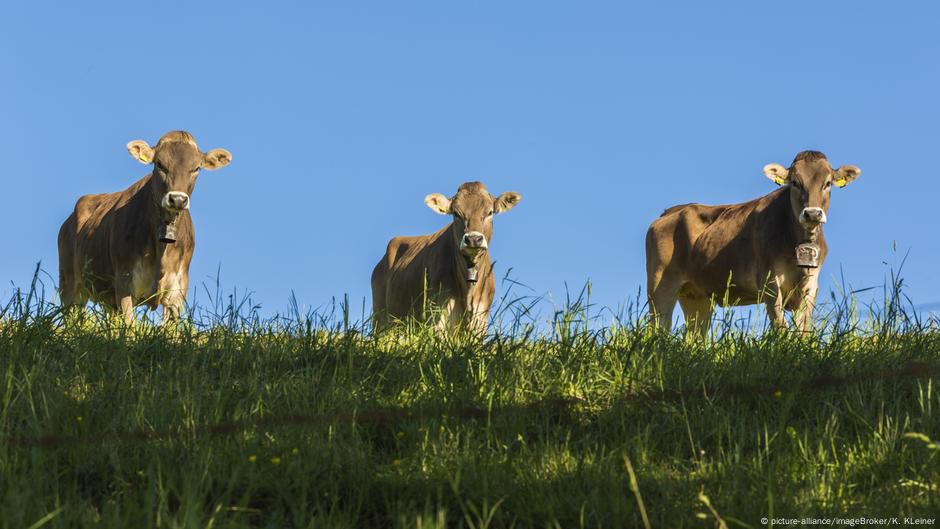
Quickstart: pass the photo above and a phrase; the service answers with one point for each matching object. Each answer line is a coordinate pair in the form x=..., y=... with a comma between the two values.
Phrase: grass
x=311, y=422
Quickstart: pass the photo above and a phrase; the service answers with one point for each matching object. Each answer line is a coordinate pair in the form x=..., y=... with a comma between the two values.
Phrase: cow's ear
x=438, y=203
x=216, y=158
x=140, y=151
x=845, y=174
x=776, y=173
x=506, y=201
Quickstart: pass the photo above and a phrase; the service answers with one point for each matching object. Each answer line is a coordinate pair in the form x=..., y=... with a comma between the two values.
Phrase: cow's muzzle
x=175, y=201
x=473, y=242
x=813, y=216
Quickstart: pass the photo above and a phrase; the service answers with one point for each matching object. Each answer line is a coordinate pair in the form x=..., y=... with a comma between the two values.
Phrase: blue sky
x=342, y=117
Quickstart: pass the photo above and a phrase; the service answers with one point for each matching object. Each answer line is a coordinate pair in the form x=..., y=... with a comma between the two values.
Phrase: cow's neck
x=470, y=291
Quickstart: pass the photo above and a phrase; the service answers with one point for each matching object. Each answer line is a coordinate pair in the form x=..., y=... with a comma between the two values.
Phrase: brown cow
x=744, y=254
x=134, y=246
x=450, y=270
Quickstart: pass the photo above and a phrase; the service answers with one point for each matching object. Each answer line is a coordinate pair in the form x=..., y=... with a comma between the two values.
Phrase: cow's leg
x=378, y=319
x=123, y=294
x=172, y=310
x=378, y=297
x=73, y=300
x=174, y=299
x=775, y=308
x=663, y=291
x=172, y=293
x=479, y=319
x=698, y=311
x=66, y=293
x=125, y=304
x=68, y=287
x=774, y=298
x=776, y=314
x=663, y=270
x=448, y=314
x=69, y=280
x=480, y=323
x=807, y=292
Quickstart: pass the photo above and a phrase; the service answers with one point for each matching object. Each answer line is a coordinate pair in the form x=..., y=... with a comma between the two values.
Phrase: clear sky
x=342, y=116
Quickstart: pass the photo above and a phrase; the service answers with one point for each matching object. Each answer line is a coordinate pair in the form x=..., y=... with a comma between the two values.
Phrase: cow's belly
x=98, y=288
x=723, y=267
x=95, y=274
x=748, y=290
x=723, y=283
x=723, y=296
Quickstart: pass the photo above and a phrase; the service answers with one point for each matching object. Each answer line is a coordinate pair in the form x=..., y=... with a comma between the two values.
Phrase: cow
x=134, y=246
x=767, y=250
x=448, y=273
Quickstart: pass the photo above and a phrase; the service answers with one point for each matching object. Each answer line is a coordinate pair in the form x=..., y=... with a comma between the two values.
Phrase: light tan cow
x=449, y=271
x=744, y=254
x=134, y=246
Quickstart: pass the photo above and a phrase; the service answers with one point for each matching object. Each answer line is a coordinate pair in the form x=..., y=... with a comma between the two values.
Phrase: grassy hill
x=304, y=423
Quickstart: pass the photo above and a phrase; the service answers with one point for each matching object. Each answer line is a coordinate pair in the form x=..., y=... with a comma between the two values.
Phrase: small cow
x=450, y=270
x=134, y=246
x=768, y=250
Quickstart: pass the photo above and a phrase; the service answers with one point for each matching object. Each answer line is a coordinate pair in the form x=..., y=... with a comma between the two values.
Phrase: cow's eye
x=828, y=185
x=490, y=214
x=194, y=171
x=161, y=168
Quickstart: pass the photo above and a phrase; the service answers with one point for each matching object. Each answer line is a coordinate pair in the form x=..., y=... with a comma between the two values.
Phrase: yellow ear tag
x=144, y=158
x=842, y=182
x=779, y=181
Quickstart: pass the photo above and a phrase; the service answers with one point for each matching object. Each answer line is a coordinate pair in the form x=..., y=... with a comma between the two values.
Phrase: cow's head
x=810, y=178
x=176, y=163
x=473, y=209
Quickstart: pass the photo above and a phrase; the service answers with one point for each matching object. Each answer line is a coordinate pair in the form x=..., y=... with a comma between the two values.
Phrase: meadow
x=233, y=420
